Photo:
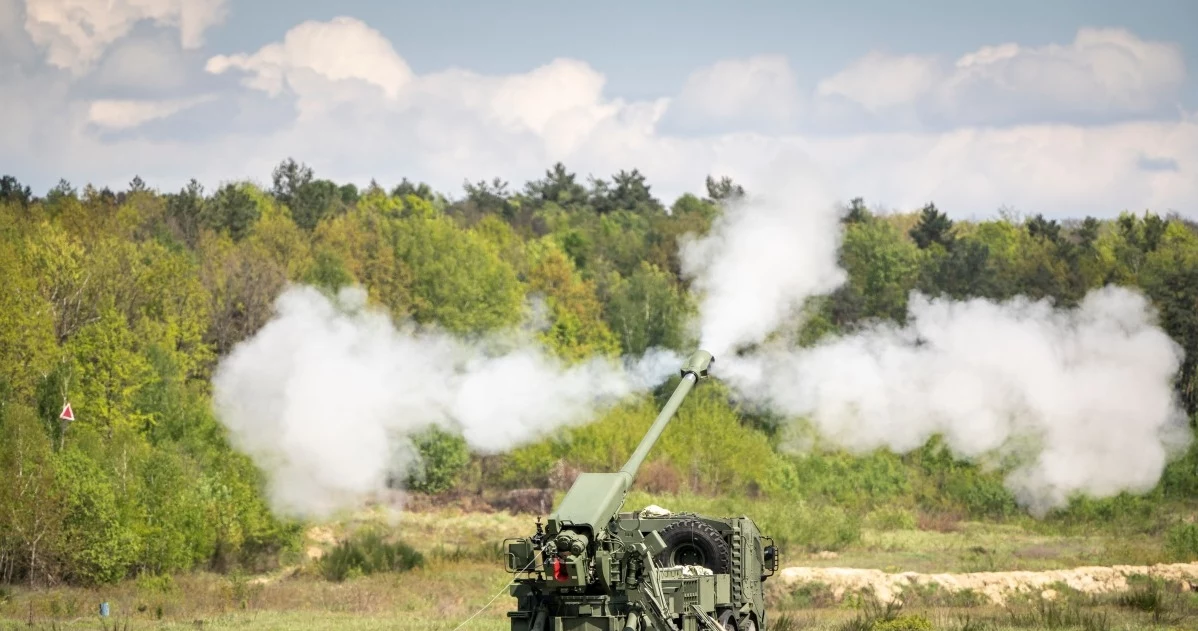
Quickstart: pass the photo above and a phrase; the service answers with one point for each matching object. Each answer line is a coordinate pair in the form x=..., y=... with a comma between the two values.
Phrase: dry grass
x=978, y=547
x=428, y=598
x=464, y=571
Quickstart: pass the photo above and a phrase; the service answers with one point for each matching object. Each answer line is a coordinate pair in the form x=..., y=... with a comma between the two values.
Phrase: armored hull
x=595, y=568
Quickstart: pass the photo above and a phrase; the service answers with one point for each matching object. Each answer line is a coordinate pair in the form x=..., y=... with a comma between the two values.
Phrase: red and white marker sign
x=67, y=414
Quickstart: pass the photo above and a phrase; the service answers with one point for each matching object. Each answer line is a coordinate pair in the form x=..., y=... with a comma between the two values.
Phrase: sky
x=1068, y=108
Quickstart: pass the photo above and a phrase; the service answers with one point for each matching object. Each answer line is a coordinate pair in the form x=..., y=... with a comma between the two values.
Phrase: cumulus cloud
x=313, y=53
x=339, y=96
x=880, y=81
x=75, y=33
x=15, y=44
x=755, y=92
x=143, y=64
x=559, y=102
x=1102, y=73
x=127, y=113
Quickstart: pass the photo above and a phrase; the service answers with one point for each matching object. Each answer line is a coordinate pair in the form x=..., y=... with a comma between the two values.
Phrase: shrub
x=904, y=623
x=369, y=553
x=443, y=456
x=845, y=479
x=891, y=518
x=1181, y=542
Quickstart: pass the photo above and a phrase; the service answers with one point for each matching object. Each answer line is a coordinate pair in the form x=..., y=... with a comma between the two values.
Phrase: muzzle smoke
x=1081, y=401
x=327, y=395
x=761, y=259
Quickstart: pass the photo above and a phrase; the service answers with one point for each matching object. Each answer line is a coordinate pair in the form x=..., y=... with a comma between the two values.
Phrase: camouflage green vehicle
x=592, y=567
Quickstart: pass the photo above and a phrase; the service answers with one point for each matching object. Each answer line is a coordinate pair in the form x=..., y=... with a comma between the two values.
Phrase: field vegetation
x=122, y=302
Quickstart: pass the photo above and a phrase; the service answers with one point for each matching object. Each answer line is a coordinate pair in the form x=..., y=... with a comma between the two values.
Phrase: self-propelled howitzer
x=595, y=568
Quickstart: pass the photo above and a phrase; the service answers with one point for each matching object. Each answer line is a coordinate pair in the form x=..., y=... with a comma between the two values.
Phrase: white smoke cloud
x=327, y=395
x=1081, y=399
x=763, y=256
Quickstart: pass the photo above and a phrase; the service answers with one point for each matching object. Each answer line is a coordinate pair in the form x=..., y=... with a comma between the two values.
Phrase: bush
x=891, y=518
x=845, y=479
x=1181, y=542
x=904, y=623
x=443, y=457
x=1123, y=512
x=369, y=553
x=951, y=484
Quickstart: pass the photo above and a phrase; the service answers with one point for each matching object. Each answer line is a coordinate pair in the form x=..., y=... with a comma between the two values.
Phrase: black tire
x=692, y=542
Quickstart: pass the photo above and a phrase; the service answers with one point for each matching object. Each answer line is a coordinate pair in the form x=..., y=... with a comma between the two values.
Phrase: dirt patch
x=318, y=539
x=996, y=587
x=321, y=535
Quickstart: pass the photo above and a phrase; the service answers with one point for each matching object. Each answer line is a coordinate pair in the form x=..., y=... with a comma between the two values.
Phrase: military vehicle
x=591, y=567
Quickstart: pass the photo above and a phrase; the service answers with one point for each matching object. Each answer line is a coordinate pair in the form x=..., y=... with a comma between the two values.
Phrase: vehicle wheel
x=728, y=621
x=749, y=624
x=692, y=542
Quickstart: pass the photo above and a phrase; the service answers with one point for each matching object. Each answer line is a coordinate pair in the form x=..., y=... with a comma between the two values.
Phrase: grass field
x=462, y=572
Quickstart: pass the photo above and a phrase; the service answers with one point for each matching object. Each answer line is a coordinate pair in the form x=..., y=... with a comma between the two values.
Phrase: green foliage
x=122, y=302
x=951, y=484
x=443, y=457
x=891, y=518
x=934, y=228
x=1181, y=542
x=27, y=343
x=883, y=268
x=706, y=445
x=368, y=553
x=232, y=210
x=109, y=372
x=310, y=200
x=647, y=310
x=797, y=526
x=903, y=623
x=458, y=279
x=855, y=481
x=576, y=330
x=95, y=542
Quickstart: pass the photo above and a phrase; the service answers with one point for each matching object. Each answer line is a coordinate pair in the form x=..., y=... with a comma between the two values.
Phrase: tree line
x=123, y=301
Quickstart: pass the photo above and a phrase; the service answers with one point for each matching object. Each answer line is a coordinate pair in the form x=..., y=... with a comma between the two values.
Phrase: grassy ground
x=462, y=572
x=976, y=547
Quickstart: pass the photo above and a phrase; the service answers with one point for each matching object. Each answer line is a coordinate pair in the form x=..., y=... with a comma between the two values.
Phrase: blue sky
x=647, y=51
x=1066, y=107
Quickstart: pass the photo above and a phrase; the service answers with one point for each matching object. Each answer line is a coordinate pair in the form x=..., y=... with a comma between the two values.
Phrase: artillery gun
x=591, y=567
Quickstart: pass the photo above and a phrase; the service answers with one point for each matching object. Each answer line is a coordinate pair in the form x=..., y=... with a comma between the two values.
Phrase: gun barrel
x=594, y=498
x=694, y=369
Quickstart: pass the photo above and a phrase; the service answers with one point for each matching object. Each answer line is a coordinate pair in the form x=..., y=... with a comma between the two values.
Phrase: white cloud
x=360, y=112
x=128, y=113
x=879, y=81
x=14, y=42
x=143, y=63
x=1103, y=72
x=75, y=33
x=315, y=52
x=759, y=89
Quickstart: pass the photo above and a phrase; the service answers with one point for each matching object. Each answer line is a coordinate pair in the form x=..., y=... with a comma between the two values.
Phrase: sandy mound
x=995, y=586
